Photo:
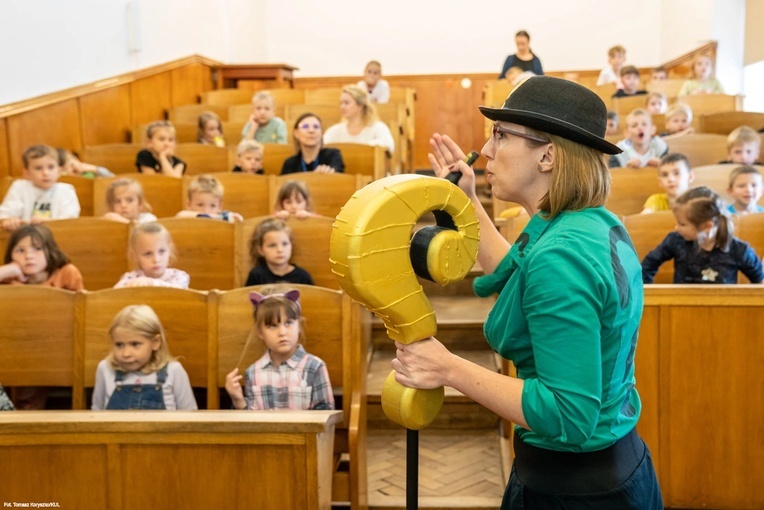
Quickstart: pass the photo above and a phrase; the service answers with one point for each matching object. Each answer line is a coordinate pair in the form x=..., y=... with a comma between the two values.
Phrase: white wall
x=60, y=44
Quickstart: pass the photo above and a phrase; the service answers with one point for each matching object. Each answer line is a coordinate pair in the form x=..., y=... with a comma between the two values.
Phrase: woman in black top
x=311, y=155
x=524, y=58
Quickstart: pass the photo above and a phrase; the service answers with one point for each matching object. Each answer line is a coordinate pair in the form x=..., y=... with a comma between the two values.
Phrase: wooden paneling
x=648, y=380
x=57, y=125
x=151, y=98
x=5, y=165
x=105, y=116
x=188, y=83
x=107, y=459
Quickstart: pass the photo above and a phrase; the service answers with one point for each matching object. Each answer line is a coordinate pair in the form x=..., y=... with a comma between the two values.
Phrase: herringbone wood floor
x=454, y=468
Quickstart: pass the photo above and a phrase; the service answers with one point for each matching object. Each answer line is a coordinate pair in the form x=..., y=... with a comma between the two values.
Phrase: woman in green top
x=568, y=308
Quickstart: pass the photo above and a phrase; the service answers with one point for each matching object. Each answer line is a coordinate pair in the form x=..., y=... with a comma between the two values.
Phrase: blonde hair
x=580, y=176
x=615, y=50
x=291, y=188
x=741, y=135
x=373, y=63
x=249, y=146
x=256, y=241
x=362, y=99
x=703, y=205
x=679, y=109
x=124, y=182
x=37, y=152
x=657, y=95
x=697, y=59
x=264, y=96
x=639, y=112
x=149, y=228
x=142, y=319
x=205, y=184
x=155, y=126
x=204, y=118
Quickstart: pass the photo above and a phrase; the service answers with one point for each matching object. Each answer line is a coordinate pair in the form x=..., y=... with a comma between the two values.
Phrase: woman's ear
x=547, y=159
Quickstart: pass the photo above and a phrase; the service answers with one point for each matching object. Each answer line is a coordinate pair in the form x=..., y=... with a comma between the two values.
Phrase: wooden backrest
x=328, y=192
x=669, y=88
x=184, y=133
x=189, y=113
x=394, y=115
x=246, y=194
x=117, y=157
x=227, y=97
x=185, y=317
x=701, y=149
x=605, y=92
x=96, y=246
x=310, y=248
x=723, y=123
x=625, y=105
x=202, y=159
x=495, y=92
x=232, y=132
x=323, y=96
x=646, y=232
x=37, y=335
x=359, y=158
x=328, y=113
x=706, y=104
x=751, y=230
x=406, y=96
x=630, y=188
x=205, y=250
x=274, y=155
x=83, y=186
x=163, y=193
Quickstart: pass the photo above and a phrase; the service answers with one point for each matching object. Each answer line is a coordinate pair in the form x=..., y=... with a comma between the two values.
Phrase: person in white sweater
x=360, y=122
x=38, y=197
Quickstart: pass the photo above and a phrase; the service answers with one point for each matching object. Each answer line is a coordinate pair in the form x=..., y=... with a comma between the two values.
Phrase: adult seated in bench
x=360, y=122
x=311, y=154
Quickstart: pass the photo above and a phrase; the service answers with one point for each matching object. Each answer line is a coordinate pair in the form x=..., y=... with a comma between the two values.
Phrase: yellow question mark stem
x=371, y=255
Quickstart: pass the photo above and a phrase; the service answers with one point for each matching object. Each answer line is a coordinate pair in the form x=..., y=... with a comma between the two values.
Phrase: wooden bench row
x=246, y=194
x=214, y=253
x=201, y=159
x=53, y=337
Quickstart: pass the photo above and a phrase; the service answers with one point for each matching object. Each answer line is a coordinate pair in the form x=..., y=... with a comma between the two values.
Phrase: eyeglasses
x=495, y=129
x=307, y=126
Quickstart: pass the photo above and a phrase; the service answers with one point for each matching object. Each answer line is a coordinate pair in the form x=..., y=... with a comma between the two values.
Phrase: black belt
x=555, y=472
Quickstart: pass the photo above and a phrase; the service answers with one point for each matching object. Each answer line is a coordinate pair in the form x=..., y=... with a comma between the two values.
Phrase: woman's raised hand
x=447, y=157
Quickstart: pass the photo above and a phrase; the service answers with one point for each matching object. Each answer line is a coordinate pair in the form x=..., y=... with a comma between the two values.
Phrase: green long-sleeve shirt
x=568, y=313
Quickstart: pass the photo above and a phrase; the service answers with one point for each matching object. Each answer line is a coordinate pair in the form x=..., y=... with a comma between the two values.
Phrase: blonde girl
x=702, y=246
x=360, y=121
x=286, y=376
x=159, y=155
x=210, y=129
x=32, y=256
x=293, y=199
x=126, y=203
x=139, y=372
x=702, y=80
x=271, y=250
x=151, y=250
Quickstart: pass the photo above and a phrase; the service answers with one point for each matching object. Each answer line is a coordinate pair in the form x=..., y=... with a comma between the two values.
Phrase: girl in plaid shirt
x=286, y=376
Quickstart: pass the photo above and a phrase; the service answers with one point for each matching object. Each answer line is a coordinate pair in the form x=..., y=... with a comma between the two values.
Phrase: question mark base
x=412, y=408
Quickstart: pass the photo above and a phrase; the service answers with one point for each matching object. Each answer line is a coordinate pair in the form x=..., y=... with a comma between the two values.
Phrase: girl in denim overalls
x=139, y=372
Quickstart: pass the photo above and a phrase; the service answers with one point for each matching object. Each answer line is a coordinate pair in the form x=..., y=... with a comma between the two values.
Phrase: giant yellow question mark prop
x=370, y=255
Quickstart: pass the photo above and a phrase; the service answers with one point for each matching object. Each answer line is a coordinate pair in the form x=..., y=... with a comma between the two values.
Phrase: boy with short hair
x=612, y=123
x=205, y=200
x=678, y=121
x=38, y=197
x=249, y=157
x=674, y=177
x=630, y=82
x=745, y=188
x=640, y=147
x=262, y=125
x=659, y=74
x=616, y=56
x=656, y=103
x=743, y=146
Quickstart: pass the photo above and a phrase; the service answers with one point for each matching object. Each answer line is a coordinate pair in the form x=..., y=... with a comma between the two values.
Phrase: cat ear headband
x=256, y=298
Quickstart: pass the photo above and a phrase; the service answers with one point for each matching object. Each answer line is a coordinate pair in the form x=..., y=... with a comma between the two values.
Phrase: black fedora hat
x=559, y=107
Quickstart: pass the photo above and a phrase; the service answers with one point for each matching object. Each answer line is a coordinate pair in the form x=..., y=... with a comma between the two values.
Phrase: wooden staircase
x=460, y=454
